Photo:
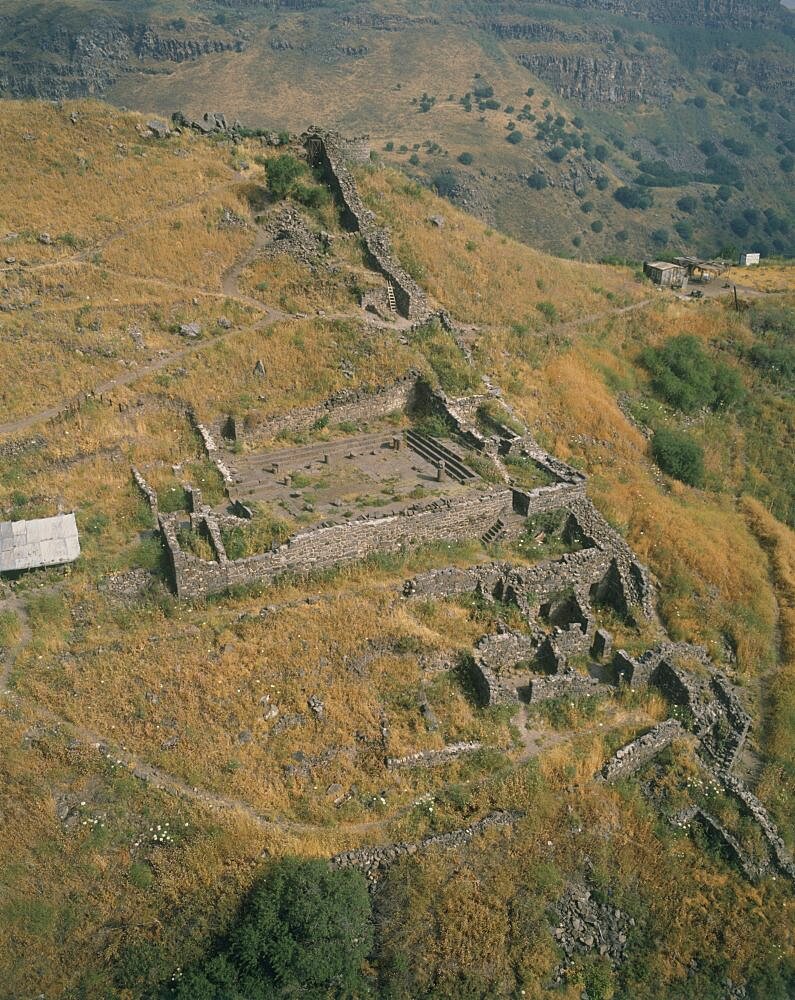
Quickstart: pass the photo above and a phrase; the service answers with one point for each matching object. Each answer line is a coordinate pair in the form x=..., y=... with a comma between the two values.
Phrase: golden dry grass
x=481, y=275
x=773, y=276
x=138, y=675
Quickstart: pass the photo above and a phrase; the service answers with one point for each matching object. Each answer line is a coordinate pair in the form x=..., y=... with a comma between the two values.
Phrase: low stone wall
x=326, y=150
x=568, y=685
x=781, y=856
x=634, y=755
x=504, y=649
x=373, y=861
x=148, y=493
x=686, y=817
x=432, y=758
x=353, y=405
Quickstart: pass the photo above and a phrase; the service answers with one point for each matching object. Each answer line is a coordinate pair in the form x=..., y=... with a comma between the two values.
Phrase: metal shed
x=46, y=541
x=663, y=272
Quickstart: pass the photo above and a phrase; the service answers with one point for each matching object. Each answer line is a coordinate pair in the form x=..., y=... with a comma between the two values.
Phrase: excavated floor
x=334, y=479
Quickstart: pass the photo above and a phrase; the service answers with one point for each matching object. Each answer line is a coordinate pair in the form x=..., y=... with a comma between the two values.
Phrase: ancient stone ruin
x=331, y=154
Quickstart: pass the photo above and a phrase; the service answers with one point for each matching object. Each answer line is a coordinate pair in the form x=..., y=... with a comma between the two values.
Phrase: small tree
x=283, y=174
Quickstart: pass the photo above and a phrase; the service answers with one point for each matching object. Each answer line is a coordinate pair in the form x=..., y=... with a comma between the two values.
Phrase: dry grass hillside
x=142, y=777
x=475, y=100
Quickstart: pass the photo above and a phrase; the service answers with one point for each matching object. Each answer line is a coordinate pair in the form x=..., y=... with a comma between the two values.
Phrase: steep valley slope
x=591, y=129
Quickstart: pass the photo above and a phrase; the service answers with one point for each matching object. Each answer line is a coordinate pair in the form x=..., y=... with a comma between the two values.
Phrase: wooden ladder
x=390, y=295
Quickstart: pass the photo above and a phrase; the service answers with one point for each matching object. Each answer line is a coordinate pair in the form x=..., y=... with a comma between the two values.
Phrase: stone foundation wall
x=373, y=861
x=432, y=758
x=634, y=755
x=320, y=548
x=352, y=405
x=563, y=686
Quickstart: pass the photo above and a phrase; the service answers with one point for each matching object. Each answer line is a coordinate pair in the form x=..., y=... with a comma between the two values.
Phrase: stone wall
x=630, y=758
x=373, y=861
x=146, y=490
x=320, y=548
x=327, y=151
x=354, y=405
x=569, y=685
x=432, y=758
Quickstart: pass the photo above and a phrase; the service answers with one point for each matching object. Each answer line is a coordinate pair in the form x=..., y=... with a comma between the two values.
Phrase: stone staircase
x=435, y=452
x=495, y=533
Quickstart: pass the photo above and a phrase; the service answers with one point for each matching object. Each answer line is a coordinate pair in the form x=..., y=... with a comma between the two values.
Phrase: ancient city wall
x=326, y=151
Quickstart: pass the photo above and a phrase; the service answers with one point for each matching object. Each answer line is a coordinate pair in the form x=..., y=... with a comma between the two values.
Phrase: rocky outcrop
x=600, y=78
x=85, y=63
x=737, y=14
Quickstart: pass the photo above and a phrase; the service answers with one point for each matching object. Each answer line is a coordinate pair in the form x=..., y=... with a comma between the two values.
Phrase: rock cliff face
x=602, y=79
x=712, y=13
x=85, y=63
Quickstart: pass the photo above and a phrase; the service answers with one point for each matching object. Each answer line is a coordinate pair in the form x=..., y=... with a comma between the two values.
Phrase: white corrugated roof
x=45, y=541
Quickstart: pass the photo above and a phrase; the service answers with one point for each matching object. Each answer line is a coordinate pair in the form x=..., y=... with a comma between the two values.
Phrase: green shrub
x=283, y=174
x=687, y=204
x=679, y=455
x=597, y=225
x=515, y=137
x=465, y=158
x=548, y=310
x=557, y=154
x=305, y=930
x=537, y=180
x=685, y=376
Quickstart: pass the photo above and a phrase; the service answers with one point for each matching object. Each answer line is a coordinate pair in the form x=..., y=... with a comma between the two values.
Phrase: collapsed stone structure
x=331, y=154
x=556, y=598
